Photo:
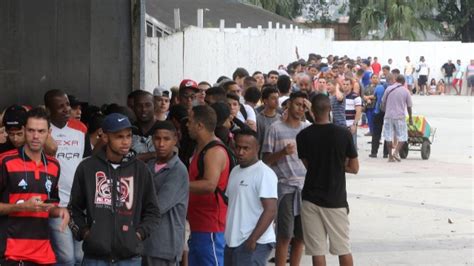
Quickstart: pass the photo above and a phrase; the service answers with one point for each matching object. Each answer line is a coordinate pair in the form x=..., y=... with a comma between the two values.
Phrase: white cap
x=161, y=92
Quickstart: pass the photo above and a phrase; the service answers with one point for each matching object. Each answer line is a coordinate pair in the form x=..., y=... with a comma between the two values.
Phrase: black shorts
x=422, y=79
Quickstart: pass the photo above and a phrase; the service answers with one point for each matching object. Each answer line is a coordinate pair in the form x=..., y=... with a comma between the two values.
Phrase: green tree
x=457, y=19
x=394, y=19
x=285, y=8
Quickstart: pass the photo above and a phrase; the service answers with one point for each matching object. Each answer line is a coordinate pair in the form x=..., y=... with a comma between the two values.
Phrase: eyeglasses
x=189, y=96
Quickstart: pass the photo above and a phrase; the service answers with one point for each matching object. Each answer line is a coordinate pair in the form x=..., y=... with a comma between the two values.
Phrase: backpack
x=232, y=164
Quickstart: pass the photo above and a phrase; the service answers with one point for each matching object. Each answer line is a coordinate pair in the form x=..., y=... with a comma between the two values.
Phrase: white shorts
x=395, y=128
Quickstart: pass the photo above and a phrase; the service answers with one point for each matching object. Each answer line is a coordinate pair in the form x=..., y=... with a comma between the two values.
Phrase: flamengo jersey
x=27, y=233
x=73, y=145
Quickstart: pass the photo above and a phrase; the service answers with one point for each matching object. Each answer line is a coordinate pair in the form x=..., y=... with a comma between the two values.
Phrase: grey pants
x=241, y=256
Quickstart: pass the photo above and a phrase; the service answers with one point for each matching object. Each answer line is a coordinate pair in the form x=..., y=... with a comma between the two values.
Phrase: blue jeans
x=67, y=250
x=369, y=112
x=137, y=261
x=206, y=249
x=240, y=256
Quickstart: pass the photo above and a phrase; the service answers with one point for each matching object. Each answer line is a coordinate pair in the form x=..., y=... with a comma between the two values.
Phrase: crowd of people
x=201, y=173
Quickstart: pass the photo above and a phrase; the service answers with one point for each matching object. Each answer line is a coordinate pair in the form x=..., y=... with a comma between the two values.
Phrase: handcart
x=420, y=137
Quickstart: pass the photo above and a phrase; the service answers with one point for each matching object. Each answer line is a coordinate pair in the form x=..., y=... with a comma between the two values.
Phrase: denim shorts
x=395, y=128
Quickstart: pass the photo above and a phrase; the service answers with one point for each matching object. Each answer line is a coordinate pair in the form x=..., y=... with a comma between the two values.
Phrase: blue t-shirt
x=379, y=91
x=366, y=78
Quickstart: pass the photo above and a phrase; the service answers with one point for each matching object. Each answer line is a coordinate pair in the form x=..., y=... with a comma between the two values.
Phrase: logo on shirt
x=242, y=183
x=103, y=191
x=23, y=184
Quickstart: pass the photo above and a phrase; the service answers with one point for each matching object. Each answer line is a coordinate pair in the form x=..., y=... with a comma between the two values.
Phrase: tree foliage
x=286, y=8
x=457, y=19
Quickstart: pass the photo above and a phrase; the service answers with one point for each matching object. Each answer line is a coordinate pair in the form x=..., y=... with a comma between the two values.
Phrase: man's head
x=165, y=139
x=296, y=105
x=272, y=77
x=395, y=72
x=203, y=86
x=37, y=129
x=365, y=64
x=284, y=84
x=400, y=79
x=347, y=85
x=270, y=97
x=117, y=135
x=458, y=61
x=144, y=107
x=239, y=75
x=422, y=58
x=321, y=106
x=234, y=104
x=131, y=98
x=58, y=105
x=374, y=79
x=76, y=107
x=232, y=87
x=304, y=82
x=258, y=76
x=322, y=83
x=187, y=93
x=408, y=59
x=215, y=94
x=331, y=85
x=313, y=70
x=14, y=121
x=202, y=121
x=252, y=96
x=390, y=61
x=386, y=70
x=246, y=147
x=450, y=61
x=375, y=59
x=249, y=82
x=161, y=99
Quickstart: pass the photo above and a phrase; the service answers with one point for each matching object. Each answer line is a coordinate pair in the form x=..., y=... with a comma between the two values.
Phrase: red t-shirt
x=207, y=212
x=376, y=68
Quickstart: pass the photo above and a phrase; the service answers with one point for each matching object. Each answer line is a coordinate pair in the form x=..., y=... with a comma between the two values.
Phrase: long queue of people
x=197, y=174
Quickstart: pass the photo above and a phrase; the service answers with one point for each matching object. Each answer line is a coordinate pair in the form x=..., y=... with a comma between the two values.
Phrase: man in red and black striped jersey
x=29, y=185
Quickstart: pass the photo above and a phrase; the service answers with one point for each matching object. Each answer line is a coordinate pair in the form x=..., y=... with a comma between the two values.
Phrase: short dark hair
x=386, y=67
x=252, y=95
x=49, y=95
x=227, y=85
x=233, y=96
x=94, y=122
x=204, y=83
x=222, y=112
x=298, y=94
x=218, y=92
x=284, y=84
x=132, y=94
x=163, y=125
x=256, y=73
x=400, y=79
x=240, y=72
x=205, y=115
x=221, y=78
x=395, y=71
x=38, y=113
x=267, y=91
x=142, y=93
x=178, y=112
x=273, y=72
x=320, y=104
x=246, y=132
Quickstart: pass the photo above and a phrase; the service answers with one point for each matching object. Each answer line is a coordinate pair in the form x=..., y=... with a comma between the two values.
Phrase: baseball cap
x=14, y=117
x=115, y=122
x=365, y=61
x=161, y=92
x=73, y=101
x=188, y=84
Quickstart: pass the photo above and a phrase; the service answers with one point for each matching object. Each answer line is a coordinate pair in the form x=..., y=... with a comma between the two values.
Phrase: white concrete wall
x=151, y=63
x=206, y=54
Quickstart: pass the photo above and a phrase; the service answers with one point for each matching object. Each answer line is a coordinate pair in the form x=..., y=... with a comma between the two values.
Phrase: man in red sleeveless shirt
x=207, y=209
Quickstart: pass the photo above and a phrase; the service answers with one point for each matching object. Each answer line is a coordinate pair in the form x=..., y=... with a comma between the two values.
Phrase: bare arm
x=215, y=161
x=352, y=165
x=50, y=147
x=409, y=115
x=273, y=158
x=265, y=220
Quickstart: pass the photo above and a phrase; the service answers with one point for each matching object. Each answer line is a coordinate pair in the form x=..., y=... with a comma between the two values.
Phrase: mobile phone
x=51, y=201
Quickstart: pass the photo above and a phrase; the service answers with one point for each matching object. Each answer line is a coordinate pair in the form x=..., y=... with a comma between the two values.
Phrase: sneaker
x=373, y=155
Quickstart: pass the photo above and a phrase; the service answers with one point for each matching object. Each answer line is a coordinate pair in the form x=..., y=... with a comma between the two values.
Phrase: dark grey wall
x=81, y=46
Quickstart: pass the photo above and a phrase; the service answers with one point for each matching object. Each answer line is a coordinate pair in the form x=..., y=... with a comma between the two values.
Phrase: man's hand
x=353, y=129
x=35, y=204
x=62, y=213
x=250, y=245
x=290, y=149
x=139, y=236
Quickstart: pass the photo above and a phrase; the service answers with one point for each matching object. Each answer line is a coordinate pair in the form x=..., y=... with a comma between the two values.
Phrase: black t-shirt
x=7, y=146
x=325, y=148
x=449, y=69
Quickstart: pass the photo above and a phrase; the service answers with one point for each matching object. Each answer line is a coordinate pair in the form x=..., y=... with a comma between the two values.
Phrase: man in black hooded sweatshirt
x=113, y=202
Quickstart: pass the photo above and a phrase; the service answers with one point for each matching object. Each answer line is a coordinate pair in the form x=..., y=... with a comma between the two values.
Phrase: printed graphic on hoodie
x=103, y=191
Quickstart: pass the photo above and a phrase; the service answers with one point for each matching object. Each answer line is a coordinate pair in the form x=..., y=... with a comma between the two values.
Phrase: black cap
x=14, y=117
x=74, y=102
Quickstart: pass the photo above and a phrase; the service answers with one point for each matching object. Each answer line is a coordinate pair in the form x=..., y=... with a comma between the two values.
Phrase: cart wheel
x=425, y=149
x=404, y=151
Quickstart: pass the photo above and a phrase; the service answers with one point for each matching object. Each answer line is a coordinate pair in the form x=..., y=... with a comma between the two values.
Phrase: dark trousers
x=377, y=134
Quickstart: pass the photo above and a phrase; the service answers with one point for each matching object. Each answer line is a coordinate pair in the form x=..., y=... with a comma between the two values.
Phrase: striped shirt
x=27, y=233
x=352, y=101
x=338, y=111
x=290, y=170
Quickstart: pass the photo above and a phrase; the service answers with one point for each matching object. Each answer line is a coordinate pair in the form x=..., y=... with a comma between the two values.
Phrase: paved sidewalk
x=417, y=212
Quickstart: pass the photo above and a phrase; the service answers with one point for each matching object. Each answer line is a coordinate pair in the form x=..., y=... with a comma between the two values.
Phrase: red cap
x=188, y=84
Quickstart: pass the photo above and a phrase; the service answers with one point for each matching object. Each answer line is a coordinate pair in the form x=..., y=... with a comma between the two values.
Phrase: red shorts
x=455, y=82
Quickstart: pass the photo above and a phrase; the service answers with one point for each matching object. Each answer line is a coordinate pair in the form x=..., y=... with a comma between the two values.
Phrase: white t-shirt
x=459, y=71
x=73, y=146
x=250, y=114
x=245, y=189
x=424, y=69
